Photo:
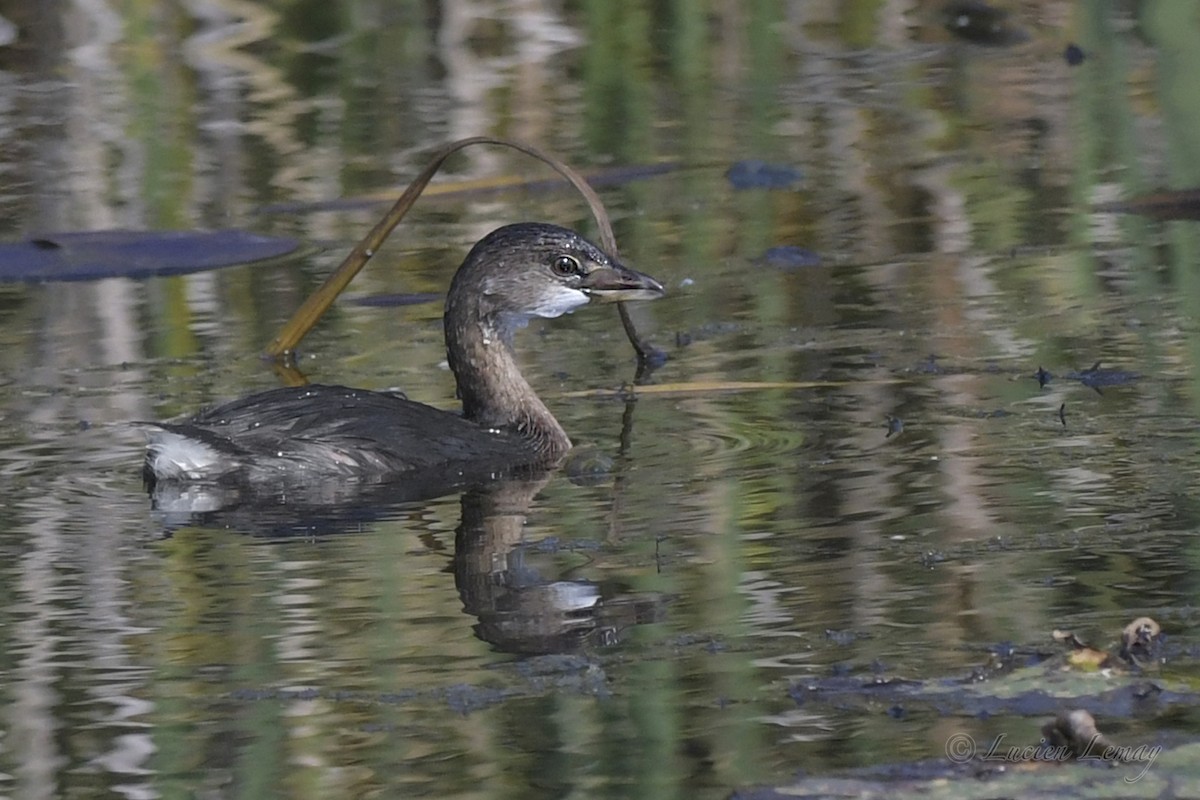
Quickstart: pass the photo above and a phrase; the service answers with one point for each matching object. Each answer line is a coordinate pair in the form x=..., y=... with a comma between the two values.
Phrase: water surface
x=762, y=526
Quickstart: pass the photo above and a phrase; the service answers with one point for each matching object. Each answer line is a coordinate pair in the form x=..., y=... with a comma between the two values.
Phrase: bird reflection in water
x=519, y=610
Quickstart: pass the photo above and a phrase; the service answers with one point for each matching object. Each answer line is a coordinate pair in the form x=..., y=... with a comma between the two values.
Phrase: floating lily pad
x=754, y=174
x=90, y=255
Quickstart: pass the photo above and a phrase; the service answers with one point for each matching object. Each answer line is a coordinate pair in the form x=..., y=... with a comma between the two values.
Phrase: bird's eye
x=566, y=265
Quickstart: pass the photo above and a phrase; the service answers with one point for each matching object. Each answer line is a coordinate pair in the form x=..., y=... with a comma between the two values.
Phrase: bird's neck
x=494, y=394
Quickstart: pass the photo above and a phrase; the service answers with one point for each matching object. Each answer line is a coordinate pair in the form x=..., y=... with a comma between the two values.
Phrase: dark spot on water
x=931, y=559
x=788, y=257
x=390, y=300
x=1043, y=377
x=755, y=174
x=981, y=23
x=655, y=358
x=1003, y=650
x=893, y=425
x=1073, y=54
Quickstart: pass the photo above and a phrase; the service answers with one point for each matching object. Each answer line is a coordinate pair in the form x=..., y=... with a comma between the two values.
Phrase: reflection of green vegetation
x=859, y=22
x=996, y=207
x=1172, y=26
x=617, y=86
x=162, y=121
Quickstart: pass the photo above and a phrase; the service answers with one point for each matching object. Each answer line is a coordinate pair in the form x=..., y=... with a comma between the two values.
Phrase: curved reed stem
x=313, y=308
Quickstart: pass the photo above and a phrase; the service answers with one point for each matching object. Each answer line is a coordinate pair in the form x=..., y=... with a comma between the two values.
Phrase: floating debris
x=1141, y=641
x=1082, y=654
x=1062, y=414
x=1093, y=376
x=1073, y=54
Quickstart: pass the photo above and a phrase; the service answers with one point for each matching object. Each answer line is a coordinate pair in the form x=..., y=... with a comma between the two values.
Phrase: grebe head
x=512, y=274
x=538, y=270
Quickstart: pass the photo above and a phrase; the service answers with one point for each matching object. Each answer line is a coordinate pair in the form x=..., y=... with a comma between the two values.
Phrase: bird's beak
x=619, y=283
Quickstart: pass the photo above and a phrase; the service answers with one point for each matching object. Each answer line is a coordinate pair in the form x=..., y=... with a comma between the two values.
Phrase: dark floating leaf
x=894, y=425
x=390, y=300
x=981, y=23
x=1098, y=378
x=754, y=174
x=91, y=255
x=790, y=257
x=1073, y=54
x=1175, y=204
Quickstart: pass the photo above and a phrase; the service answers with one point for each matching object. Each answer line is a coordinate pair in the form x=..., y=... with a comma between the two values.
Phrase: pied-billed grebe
x=322, y=432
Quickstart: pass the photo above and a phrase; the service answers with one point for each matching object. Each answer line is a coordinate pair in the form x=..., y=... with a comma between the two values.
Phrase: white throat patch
x=561, y=300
